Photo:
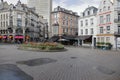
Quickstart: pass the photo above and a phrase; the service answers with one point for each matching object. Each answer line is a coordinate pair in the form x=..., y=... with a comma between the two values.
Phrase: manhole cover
x=105, y=70
x=12, y=72
x=73, y=57
x=36, y=62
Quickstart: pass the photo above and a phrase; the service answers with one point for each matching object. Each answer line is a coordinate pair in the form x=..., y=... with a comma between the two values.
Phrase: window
x=94, y=11
x=98, y=39
x=86, y=31
x=119, y=29
x=63, y=30
x=6, y=23
x=81, y=23
x=101, y=29
x=67, y=30
x=71, y=30
x=107, y=39
x=108, y=28
x=66, y=22
x=6, y=16
x=119, y=17
x=101, y=20
x=81, y=31
x=104, y=8
x=92, y=32
x=108, y=18
x=104, y=2
x=19, y=16
x=56, y=15
x=91, y=21
x=118, y=2
x=19, y=23
x=88, y=12
x=108, y=7
x=19, y=20
x=71, y=22
x=102, y=39
x=3, y=24
x=55, y=30
x=1, y=16
x=100, y=10
x=86, y=22
x=83, y=14
x=63, y=22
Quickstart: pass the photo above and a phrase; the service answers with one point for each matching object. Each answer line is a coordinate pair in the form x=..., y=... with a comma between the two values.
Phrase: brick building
x=64, y=22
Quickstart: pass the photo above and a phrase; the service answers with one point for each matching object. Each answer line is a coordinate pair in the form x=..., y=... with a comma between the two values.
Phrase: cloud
x=76, y=5
x=15, y=1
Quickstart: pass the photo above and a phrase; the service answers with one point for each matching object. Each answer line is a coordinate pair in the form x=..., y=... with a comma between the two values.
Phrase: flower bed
x=42, y=46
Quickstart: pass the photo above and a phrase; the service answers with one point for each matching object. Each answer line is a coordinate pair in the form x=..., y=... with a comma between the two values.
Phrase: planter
x=44, y=47
x=104, y=47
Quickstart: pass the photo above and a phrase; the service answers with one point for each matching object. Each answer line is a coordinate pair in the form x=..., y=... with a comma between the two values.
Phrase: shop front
x=19, y=39
x=4, y=38
x=0, y=38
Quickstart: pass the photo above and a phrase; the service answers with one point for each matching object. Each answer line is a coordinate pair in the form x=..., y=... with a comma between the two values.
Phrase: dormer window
x=83, y=14
x=94, y=11
x=104, y=8
x=108, y=7
x=88, y=12
x=104, y=2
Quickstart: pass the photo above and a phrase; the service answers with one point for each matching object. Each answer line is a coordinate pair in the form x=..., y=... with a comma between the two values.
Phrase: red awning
x=4, y=37
x=19, y=37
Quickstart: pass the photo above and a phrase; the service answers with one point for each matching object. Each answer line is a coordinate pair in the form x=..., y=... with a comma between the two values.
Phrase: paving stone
x=12, y=72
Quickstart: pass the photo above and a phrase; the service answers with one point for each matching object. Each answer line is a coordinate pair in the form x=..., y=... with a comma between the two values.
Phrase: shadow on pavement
x=12, y=72
x=36, y=62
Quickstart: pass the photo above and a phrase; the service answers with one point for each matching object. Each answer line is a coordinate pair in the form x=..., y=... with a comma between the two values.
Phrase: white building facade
x=87, y=29
x=108, y=18
x=19, y=23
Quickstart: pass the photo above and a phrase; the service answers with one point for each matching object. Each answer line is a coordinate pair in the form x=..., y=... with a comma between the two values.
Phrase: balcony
x=117, y=34
x=117, y=20
x=117, y=8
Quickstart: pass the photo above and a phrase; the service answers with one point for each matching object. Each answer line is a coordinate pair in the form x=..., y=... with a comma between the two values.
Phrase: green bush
x=103, y=45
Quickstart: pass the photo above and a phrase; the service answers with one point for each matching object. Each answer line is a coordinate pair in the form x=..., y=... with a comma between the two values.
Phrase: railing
x=117, y=33
x=116, y=20
x=117, y=8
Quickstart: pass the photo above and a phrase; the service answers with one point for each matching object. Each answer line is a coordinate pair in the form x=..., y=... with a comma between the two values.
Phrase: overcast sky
x=75, y=5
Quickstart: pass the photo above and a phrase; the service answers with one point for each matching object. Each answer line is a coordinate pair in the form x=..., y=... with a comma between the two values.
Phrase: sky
x=74, y=5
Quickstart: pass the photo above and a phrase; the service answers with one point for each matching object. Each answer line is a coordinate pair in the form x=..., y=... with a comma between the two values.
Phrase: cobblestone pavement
x=74, y=64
